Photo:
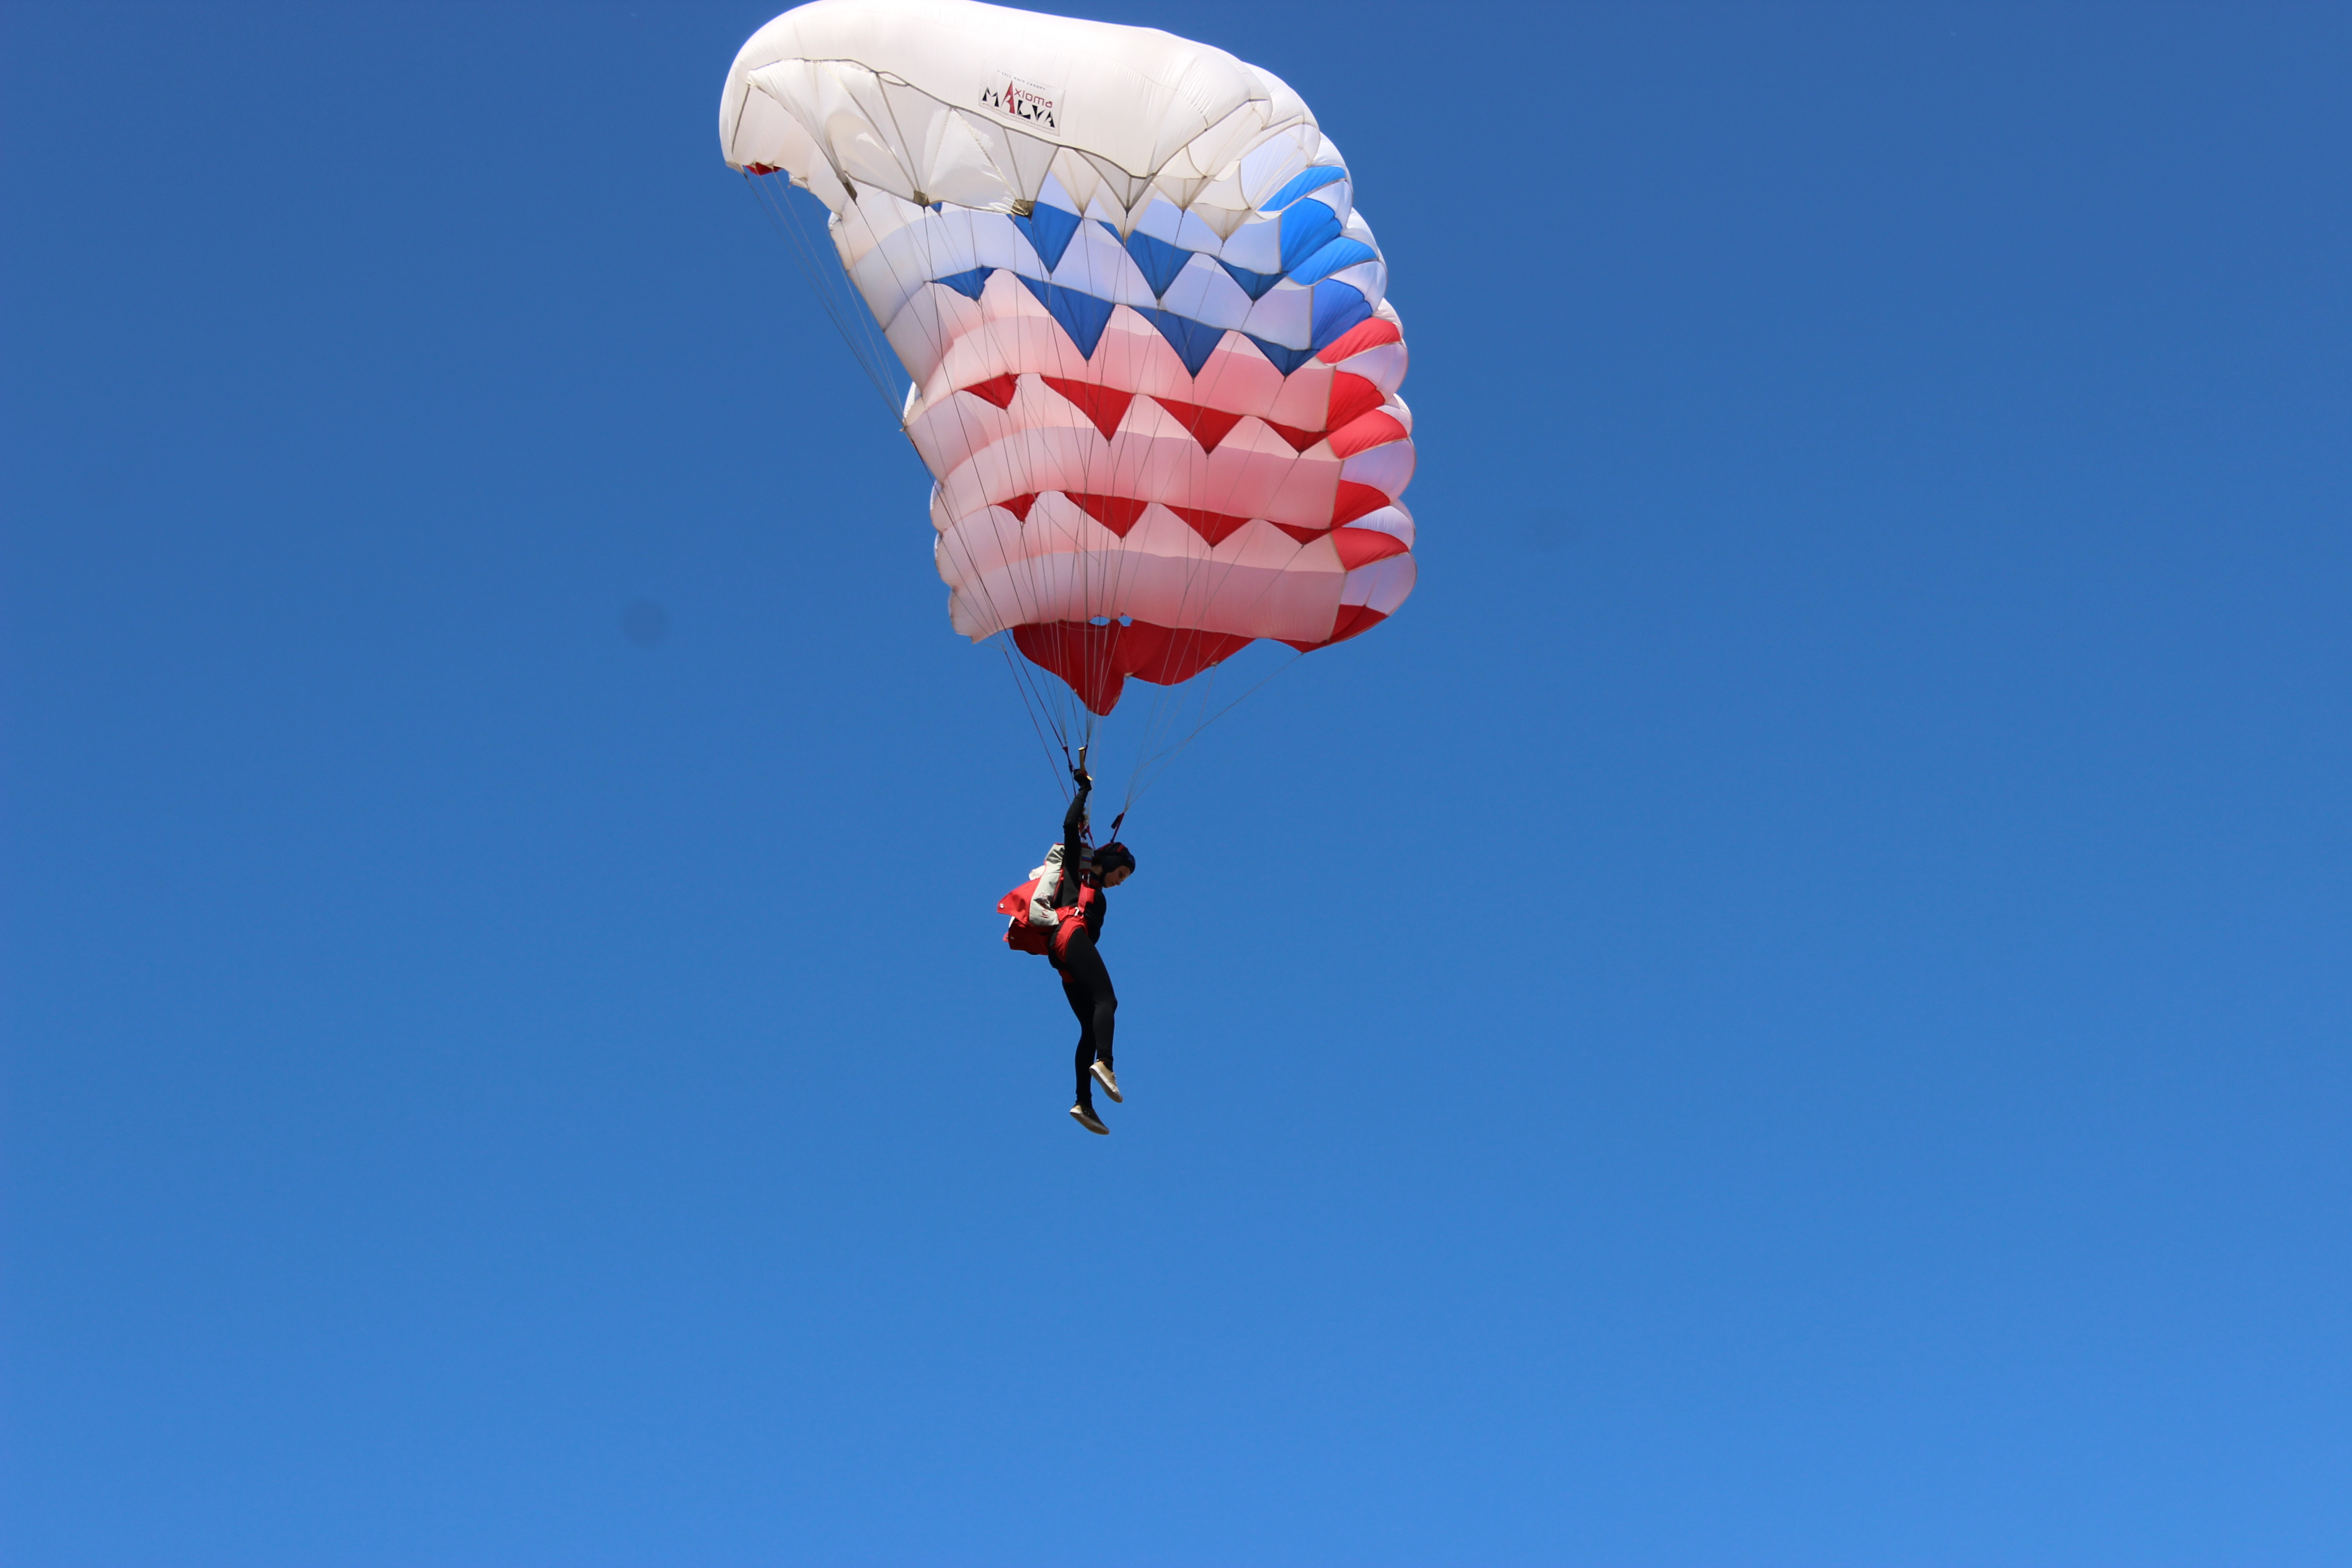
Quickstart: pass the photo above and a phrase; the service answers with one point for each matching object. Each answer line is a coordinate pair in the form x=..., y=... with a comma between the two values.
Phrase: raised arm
x=1073, y=830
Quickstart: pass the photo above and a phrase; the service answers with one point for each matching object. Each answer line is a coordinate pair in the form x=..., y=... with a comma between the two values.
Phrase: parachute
x=1154, y=368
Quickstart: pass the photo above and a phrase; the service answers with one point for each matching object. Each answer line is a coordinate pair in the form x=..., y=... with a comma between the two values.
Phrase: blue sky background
x=1792, y=1008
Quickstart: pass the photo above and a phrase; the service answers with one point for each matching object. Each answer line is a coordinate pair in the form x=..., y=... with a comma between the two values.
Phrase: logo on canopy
x=1010, y=95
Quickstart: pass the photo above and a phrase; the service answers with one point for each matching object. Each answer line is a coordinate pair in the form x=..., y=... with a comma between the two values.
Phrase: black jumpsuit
x=1084, y=981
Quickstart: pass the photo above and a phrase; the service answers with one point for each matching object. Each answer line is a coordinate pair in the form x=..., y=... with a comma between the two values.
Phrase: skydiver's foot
x=1110, y=1081
x=1084, y=1115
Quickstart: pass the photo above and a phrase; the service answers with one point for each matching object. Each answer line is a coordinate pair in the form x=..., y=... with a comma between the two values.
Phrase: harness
x=1023, y=934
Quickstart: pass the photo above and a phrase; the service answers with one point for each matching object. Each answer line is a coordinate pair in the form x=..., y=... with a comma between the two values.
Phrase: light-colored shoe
x=1110, y=1081
x=1084, y=1115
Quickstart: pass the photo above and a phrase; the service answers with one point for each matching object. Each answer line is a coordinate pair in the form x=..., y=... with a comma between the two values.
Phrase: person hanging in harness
x=1059, y=913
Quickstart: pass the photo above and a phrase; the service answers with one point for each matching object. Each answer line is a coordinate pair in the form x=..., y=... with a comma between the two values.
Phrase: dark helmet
x=1110, y=857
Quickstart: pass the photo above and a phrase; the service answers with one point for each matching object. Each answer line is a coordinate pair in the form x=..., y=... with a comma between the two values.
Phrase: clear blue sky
x=1792, y=1008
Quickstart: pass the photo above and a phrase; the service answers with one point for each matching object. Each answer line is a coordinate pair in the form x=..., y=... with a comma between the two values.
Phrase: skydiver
x=1079, y=904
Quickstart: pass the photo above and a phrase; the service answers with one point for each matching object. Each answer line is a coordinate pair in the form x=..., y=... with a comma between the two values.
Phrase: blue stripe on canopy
x=1049, y=230
x=1193, y=341
x=1338, y=307
x=1340, y=255
x=1158, y=260
x=1301, y=182
x=1284, y=359
x=968, y=284
x=1253, y=284
x=1305, y=230
x=1082, y=316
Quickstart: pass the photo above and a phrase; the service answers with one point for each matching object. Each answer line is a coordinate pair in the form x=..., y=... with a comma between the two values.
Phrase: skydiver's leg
x=1087, y=982
x=1082, y=1002
x=1088, y=986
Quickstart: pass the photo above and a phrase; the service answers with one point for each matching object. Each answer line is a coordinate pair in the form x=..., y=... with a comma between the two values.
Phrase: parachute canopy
x=1155, y=371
